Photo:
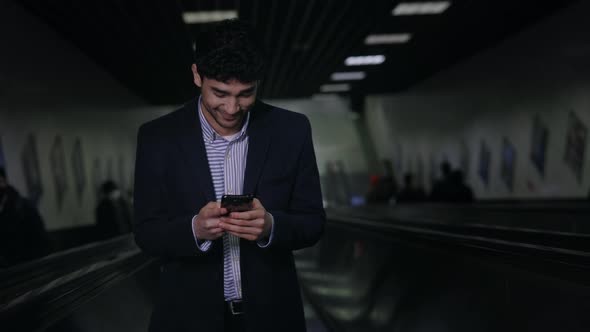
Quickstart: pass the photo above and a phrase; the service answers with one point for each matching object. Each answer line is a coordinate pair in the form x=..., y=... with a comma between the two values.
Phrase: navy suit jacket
x=173, y=182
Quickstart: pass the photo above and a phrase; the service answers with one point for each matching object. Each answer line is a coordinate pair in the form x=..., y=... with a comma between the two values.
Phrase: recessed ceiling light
x=348, y=76
x=390, y=38
x=420, y=8
x=364, y=60
x=334, y=87
x=208, y=16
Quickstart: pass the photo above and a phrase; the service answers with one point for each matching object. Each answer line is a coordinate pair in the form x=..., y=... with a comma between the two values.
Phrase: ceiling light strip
x=391, y=38
x=208, y=16
x=348, y=76
x=364, y=60
x=335, y=87
x=420, y=8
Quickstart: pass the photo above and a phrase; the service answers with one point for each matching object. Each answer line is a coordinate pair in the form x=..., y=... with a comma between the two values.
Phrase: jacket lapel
x=258, y=142
x=193, y=149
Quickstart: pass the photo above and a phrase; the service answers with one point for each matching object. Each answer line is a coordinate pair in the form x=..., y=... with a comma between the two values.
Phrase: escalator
x=96, y=287
x=482, y=267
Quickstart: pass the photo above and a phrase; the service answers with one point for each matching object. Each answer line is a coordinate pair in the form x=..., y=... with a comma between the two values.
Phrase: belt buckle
x=234, y=311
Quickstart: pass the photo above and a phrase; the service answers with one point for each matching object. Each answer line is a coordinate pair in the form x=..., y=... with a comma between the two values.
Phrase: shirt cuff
x=265, y=243
x=202, y=245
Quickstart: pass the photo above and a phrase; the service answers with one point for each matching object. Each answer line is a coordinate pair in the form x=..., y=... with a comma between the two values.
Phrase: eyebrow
x=249, y=90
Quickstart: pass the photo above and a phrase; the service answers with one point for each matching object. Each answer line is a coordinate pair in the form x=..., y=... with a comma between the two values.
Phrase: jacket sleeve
x=302, y=224
x=158, y=231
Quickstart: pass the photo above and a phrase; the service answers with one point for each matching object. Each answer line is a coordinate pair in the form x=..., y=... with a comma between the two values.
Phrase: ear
x=196, y=77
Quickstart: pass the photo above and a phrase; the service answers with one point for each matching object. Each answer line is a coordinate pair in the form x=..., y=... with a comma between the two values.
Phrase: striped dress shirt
x=227, y=163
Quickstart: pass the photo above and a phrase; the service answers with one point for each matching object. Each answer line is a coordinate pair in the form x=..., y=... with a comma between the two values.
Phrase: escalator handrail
x=21, y=278
x=575, y=218
x=46, y=304
x=564, y=249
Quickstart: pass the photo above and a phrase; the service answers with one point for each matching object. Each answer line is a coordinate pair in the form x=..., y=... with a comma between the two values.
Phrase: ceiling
x=147, y=46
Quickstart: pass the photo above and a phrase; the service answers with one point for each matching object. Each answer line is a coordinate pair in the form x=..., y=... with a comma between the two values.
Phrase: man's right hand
x=206, y=224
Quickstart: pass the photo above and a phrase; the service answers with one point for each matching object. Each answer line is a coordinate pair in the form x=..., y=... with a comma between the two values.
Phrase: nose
x=233, y=107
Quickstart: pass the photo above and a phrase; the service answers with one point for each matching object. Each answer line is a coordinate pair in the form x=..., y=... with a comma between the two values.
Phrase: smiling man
x=227, y=271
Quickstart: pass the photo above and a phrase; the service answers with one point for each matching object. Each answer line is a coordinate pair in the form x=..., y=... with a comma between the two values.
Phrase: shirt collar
x=210, y=134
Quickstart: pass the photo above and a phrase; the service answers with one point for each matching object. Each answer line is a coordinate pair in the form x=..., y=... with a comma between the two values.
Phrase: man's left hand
x=253, y=225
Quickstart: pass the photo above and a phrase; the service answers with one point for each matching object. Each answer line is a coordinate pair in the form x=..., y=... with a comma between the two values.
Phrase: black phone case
x=237, y=203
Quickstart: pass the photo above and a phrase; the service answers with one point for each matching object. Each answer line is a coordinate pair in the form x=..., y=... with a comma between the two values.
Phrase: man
x=227, y=272
x=113, y=213
x=410, y=193
x=22, y=231
x=441, y=189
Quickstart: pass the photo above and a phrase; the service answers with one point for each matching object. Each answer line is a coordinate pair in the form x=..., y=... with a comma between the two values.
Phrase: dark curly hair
x=227, y=50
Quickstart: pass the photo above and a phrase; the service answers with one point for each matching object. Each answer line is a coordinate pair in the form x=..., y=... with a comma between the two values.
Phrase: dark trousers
x=233, y=323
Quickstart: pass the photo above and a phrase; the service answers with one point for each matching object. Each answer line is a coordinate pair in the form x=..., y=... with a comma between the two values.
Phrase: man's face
x=225, y=104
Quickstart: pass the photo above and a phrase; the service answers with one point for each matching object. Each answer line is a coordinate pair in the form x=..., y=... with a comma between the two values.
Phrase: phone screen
x=237, y=203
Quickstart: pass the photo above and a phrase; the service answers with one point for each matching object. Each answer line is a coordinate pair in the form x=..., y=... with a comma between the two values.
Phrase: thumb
x=256, y=203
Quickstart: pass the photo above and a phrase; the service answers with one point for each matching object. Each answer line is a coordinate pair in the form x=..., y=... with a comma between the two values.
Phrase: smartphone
x=237, y=203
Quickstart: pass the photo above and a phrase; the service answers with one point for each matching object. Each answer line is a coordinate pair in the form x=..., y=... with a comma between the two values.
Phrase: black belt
x=235, y=307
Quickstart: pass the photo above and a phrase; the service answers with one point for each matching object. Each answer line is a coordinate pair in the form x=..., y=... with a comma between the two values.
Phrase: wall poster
x=97, y=177
x=575, y=145
x=57, y=160
x=508, y=163
x=465, y=157
x=485, y=157
x=539, y=141
x=31, y=169
x=79, y=169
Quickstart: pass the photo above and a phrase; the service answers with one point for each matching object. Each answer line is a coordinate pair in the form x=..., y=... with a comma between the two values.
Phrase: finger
x=240, y=215
x=241, y=229
x=206, y=211
x=216, y=234
x=212, y=223
x=256, y=203
x=244, y=223
x=249, y=215
x=213, y=205
x=249, y=237
x=213, y=212
x=212, y=208
x=217, y=231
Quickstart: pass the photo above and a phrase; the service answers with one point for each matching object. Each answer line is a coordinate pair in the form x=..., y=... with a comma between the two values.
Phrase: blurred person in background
x=460, y=192
x=451, y=188
x=410, y=193
x=113, y=213
x=382, y=189
x=22, y=232
x=441, y=190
